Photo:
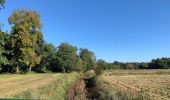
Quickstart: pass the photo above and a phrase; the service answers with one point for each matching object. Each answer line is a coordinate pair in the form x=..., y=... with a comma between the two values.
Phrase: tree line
x=159, y=63
x=24, y=50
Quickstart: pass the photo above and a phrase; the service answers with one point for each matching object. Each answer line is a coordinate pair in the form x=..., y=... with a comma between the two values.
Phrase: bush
x=98, y=71
x=90, y=74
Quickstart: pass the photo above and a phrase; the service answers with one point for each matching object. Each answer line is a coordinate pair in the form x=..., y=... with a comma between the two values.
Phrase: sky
x=115, y=30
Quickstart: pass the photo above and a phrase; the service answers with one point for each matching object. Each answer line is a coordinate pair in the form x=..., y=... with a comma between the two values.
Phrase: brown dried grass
x=15, y=84
x=156, y=86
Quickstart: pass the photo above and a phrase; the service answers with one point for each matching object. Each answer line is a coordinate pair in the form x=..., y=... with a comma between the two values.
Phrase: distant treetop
x=2, y=2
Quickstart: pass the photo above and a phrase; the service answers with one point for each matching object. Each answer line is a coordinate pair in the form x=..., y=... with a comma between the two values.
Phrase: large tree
x=26, y=38
x=88, y=58
x=160, y=63
x=102, y=64
x=3, y=59
x=48, y=58
x=66, y=57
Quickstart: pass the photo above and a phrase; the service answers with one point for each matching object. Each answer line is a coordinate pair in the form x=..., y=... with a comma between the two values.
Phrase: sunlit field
x=36, y=86
x=145, y=84
x=84, y=50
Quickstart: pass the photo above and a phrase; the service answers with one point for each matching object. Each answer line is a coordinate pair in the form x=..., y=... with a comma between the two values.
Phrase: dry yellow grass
x=155, y=85
x=14, y=84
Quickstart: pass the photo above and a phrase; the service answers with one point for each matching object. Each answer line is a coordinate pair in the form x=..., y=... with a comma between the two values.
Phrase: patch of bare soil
x=85, y=89
x=77, y=92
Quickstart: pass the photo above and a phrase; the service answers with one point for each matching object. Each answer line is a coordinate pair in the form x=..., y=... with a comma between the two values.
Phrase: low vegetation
x=12, y=84
x=134, y=85
x=38, y=86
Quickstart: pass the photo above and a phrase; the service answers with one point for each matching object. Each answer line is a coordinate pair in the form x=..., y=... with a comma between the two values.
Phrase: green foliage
x=26, y=39
x=30, y=20
x=66, y=57
x=160, y=63
x=127, y=65
x=98, y=71
x=78, y=65
x=63, y=58
x=3, y=58
x=88, y=58
x=48, y=58
x=143, y=65
x=24, y=50
x=101, y=64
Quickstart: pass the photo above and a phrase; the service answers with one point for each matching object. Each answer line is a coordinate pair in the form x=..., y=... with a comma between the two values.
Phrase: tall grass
x=53, y=91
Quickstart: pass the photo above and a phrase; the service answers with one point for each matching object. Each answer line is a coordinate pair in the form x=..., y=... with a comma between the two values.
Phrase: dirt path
x=83, y=90
x=77, y=92
x=13, y=85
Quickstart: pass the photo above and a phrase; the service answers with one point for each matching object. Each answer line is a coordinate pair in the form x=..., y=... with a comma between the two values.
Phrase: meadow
x=109, y=85
x=37, y=86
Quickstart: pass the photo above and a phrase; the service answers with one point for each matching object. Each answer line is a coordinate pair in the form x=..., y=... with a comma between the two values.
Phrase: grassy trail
x=13, y=84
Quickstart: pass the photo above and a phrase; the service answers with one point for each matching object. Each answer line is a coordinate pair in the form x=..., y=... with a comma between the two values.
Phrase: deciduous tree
x=48, y=58
x=26, y=38
x=101, y=64
x=66, y=57
x=3, y=59
x=88, y=58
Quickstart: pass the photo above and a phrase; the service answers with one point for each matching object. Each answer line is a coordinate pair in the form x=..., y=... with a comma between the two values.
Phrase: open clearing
x=14, y=84
x=152, y=83
x=110, y=85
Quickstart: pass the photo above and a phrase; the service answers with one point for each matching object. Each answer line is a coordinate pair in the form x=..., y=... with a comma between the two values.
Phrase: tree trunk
x=30, y=68
x=17, y=69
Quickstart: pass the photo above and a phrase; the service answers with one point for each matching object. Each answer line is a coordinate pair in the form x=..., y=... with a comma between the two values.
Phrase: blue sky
x=116, y=30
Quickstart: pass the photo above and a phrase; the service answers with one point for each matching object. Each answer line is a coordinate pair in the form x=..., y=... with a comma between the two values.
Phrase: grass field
x=136, y=84
x=36, y=86
x=110, y=85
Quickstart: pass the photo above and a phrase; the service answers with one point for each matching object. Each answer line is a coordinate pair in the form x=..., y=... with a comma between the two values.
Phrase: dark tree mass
x=24, y=50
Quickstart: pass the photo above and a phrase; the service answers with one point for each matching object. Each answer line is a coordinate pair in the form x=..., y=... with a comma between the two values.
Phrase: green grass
x=19, y=75
x=53, y=91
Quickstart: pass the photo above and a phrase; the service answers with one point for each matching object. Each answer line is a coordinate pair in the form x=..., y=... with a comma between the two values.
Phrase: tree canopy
x=24, y=49
x=3, y=58
x=89, y=59
x=66, y=57
x=25, y=37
